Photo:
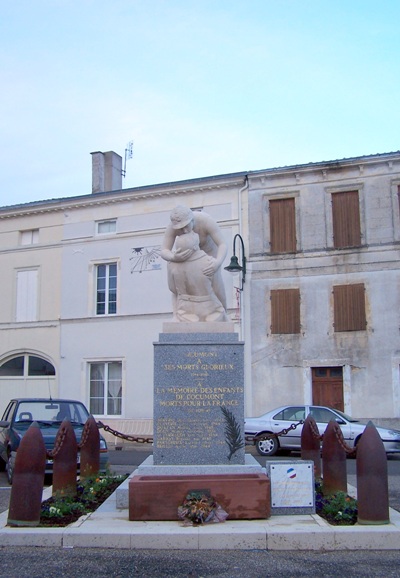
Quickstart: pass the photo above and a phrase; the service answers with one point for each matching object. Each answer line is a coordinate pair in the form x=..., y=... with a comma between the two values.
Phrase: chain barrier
x=339, y=436
x=129, y=438
x=62, y=432
x=266, y=436
x=254, y=439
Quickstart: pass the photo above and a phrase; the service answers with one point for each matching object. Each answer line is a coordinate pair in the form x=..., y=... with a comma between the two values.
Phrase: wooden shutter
x=26, y=303
x=349, y=307
x=285, y=311
x=282, y=225
x=346, y=220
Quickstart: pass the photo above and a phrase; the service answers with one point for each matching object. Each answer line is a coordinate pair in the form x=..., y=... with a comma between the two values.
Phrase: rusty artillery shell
x=334, y=469
x=90, y=449
x=311, y=444
x=28, y=479
x=65, y=461
x=372, y=478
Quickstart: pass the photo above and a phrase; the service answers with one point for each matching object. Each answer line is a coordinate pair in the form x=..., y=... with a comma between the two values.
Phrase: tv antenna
x=128, y=155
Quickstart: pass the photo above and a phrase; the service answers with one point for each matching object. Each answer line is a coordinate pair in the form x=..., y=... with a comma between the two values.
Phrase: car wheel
x=268, y=446
x=10, y=468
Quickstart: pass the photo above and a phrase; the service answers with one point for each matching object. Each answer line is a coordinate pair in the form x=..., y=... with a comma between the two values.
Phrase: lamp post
x=234, y=266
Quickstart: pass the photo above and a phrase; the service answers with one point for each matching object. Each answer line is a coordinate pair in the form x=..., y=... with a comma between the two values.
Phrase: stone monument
x=198, y=388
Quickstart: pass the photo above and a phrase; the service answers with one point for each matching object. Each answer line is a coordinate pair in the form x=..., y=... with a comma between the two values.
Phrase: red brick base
x=242, y=496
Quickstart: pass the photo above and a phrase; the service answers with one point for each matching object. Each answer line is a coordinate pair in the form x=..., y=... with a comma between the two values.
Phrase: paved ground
x=24, y=562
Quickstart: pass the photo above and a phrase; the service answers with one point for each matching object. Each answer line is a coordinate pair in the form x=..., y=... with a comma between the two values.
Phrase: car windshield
x=51, y=411
x=345, y=416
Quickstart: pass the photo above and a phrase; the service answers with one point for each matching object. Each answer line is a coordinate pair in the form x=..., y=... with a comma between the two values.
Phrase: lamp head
x=234, y=266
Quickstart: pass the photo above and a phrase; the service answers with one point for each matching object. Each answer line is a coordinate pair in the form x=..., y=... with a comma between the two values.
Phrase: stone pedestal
x=198, y=399
x=199, y=428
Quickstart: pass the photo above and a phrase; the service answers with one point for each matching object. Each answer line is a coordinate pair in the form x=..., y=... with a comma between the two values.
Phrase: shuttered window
x=27, y=295
x=346, y=220
x=285, y=311
x=282, y=225
x=349, y=307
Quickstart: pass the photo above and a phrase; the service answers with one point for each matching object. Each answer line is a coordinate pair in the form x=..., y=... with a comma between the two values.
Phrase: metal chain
x=265, y=436
x=339, y=436
x=85, y=434
x=138, y=439
x=315, y=430
x=62, y=432
x=254, y=439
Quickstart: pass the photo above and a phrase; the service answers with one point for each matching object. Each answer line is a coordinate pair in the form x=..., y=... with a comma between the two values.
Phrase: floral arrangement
x=338, y=509
x=200, y=508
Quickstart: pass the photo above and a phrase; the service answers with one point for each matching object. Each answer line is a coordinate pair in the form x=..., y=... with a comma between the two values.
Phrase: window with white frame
x=27, y=295
x=26, y=366
x=29, y=237
x=105, y=397
x=106, y=227
x=106, y=289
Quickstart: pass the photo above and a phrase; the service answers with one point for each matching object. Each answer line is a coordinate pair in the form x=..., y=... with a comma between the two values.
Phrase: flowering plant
x=337, y=509
x=62, y=510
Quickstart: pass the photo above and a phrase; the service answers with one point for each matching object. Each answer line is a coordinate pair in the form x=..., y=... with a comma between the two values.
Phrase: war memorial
x=199, y=446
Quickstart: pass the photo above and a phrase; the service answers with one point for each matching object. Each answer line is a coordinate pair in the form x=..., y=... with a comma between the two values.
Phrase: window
x=29, y=237
x=291, y=414
x=106, y=388
x=282, y=225
x=285, y=311
x=349, y=307
x=346, y=220
x=106, y=227
x=106, y=289
x=26, y=365
x=26, y=303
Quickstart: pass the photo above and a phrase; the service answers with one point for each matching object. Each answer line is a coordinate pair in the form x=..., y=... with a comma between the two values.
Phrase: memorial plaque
x=198, y=399
x=292, y=486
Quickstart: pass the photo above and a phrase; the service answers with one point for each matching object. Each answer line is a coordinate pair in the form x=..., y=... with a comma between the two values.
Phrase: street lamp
x=234, y=266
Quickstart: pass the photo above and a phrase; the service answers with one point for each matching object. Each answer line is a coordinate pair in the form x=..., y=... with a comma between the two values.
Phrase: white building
x=85, y=291
x=101, y=288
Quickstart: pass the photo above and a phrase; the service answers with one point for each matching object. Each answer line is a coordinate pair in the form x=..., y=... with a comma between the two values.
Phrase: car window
x=49, y=411
x=291, y=414
x=322, y=415
x=9, y=411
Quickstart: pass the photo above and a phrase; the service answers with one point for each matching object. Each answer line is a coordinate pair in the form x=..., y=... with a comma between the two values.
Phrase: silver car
x=283, y=417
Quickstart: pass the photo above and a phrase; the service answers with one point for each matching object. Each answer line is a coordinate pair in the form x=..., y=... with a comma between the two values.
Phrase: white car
x=283, y=417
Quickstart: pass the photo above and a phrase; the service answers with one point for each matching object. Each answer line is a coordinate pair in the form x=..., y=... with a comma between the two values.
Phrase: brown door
x=327, y=387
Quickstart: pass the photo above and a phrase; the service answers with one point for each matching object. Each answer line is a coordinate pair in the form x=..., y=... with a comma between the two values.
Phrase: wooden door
x=327, y=387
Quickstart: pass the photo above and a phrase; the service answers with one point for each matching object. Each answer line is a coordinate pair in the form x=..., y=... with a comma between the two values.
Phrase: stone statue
x=194, y=266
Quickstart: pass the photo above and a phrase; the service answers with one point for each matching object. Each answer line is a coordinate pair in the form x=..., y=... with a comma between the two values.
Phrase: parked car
x=282, y=417
x=48, y=413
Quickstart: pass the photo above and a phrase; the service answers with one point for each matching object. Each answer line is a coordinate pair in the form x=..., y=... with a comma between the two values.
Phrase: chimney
x=106, y=172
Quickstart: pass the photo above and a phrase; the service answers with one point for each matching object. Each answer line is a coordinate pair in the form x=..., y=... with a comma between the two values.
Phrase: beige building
x=85, y=291
x=100, y=287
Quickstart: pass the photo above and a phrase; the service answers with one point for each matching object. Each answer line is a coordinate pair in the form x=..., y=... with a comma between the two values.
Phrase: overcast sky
x=202, y=87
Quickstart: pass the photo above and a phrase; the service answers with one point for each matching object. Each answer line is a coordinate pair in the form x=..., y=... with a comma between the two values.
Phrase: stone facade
x=283, y=363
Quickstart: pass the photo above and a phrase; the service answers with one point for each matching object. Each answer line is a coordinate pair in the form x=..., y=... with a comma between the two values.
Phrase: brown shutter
x=349, y=307
x=346, y=219
x=282, y=225
x=285, y=311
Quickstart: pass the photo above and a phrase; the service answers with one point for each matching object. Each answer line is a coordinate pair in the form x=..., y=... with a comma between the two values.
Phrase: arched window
x=26, y=366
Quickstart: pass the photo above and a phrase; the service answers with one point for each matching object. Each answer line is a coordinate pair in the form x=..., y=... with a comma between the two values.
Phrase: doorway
x=327, y=387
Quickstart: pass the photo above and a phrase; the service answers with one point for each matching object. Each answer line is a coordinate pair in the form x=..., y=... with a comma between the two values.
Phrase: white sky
x=202, y=87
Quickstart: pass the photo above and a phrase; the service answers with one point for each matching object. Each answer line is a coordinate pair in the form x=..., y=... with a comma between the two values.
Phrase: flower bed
x=91, y=493
x=338, y=509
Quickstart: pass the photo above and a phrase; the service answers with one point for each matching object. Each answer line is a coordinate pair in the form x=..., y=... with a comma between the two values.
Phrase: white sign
x=292, y=485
